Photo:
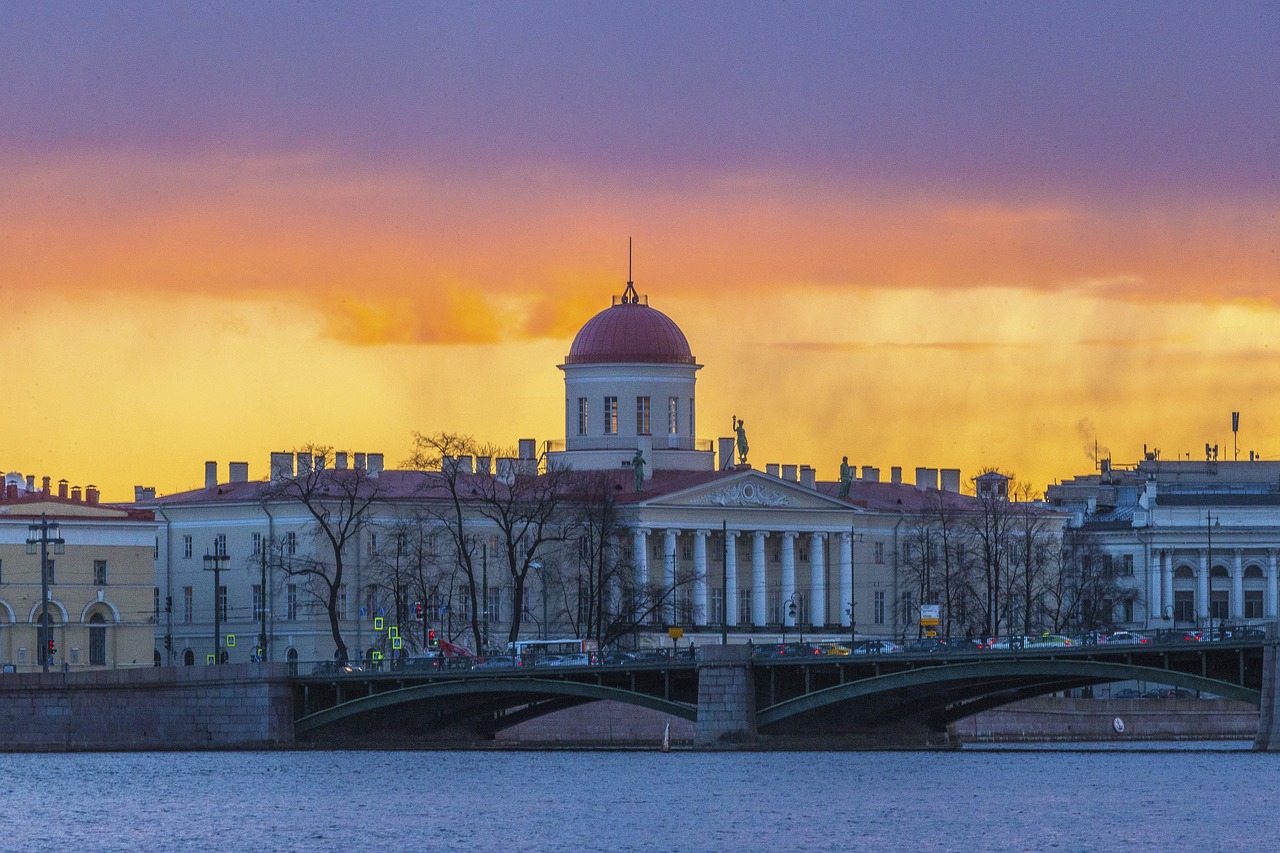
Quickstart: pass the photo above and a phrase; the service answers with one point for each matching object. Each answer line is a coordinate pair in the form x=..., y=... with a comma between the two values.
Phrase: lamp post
x=44, y=534
x=1208, y=529
x=536, y=565
x=852, y=610
x=213, y=563
x=793, y=610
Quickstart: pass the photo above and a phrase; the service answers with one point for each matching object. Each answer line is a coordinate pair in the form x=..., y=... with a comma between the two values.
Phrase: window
x=291, y=542
x=99, y=572
x=1253, y=604
x=717, y=607
x=1128, y=610
x=257, y=544
x=744, y=606
x=371, y=600
x=673, y=415
x=906, y=552
x=155, y=604
x=257, y=602
x=656, y=549
x=220, y=544
x=1128, y=567
x=802, y=551
x=291, y=602
x=879, y=552
x=186, y=547
x=583, y=416
x=155, y=549
x=775, y=551
x=494, y=611
x=908, y=608
x=187, y=604
x=373, y=543
x=690, y=416
x=1, y=571
x=879, y=607
x=342, y=601
x=642, y=415
x=610, y=415
x=686, y=551
x=222, y=603
x=1183, y=606
x=775, y=607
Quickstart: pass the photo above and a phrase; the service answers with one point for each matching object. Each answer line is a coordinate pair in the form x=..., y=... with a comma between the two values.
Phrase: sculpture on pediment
x=745, y=494
x=846, y=477
x=740, y=430
x=637, y=466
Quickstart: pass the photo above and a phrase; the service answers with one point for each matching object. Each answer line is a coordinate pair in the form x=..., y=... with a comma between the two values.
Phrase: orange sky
x=916, y=235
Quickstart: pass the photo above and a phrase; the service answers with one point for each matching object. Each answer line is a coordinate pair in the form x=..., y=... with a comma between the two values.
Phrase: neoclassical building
x=1197, y=540
x=102, y=603
x=730, y=546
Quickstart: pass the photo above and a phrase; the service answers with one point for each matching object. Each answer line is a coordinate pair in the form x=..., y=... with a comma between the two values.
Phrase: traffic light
x=417, y=609
x=53, y=650
x=431, y=639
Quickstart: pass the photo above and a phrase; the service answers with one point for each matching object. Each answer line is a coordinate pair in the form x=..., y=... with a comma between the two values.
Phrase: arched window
x=188, y=658
x=97, y=640
x=291, y=657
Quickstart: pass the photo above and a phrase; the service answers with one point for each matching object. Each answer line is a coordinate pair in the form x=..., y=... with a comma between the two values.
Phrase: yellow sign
x=397, y=643
x=931, y=634
x=208, y=659
x=393, y=631
x=675, y=633
x=231, y=641
x=377, y=623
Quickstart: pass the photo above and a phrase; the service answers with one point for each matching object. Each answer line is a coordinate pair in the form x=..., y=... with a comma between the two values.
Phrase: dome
x=629, y=331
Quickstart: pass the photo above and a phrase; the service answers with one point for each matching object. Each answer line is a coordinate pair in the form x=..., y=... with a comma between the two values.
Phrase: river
x=1201, y=797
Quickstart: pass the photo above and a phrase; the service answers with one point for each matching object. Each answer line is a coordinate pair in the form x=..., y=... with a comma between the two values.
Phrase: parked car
x=1049, y=641
x=1126, y=638
x=652, y=656
x=1127, y=693
x=496, y=662
x=1016, y=641
x=616, y=658
x=877, y=647
x=579, y=659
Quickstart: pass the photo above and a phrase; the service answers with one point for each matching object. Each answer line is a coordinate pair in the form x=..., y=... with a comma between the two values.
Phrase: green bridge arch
x=518, y=691
x=948, y=692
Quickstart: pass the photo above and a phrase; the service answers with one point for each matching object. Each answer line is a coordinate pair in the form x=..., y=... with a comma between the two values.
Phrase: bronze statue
x=846, y=477
x=740, y=429
x=637, y=467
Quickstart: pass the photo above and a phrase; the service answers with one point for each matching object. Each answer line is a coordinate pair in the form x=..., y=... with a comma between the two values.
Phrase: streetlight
x=1208, y=528
x=44, y=534
x=854, y=538
x=793, y=608
x=536, y=565
x=213, y=563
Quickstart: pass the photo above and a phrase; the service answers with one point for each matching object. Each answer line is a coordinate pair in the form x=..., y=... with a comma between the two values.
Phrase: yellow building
x=102, y=600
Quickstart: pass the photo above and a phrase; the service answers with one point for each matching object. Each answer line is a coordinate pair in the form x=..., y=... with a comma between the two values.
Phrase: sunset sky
x=917, y=234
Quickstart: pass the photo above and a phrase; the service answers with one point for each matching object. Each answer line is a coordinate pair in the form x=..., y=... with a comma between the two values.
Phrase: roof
x=630, y=332
x=31, y=505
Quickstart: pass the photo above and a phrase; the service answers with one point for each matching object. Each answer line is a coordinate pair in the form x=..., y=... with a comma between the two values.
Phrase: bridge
x=735, y=700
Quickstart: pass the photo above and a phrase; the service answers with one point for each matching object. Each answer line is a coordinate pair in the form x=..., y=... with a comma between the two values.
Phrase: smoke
x=1089, y=439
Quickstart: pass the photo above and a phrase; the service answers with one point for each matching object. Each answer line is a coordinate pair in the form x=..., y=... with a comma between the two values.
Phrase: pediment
x=751, y=490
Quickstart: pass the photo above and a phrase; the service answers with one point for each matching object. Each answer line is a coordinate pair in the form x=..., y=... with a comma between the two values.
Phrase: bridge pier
x=1268, y=739
x=726, y=698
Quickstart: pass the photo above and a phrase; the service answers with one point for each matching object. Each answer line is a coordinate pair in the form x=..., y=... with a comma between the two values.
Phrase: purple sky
x=1093, y=98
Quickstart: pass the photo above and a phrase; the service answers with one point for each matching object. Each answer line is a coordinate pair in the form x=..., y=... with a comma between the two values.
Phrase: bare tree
x=1087, y=586
x=1033, y=541
x=339, y=502
x=989, y=526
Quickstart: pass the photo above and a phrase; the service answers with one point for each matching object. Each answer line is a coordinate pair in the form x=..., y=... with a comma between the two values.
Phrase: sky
x=918, y=234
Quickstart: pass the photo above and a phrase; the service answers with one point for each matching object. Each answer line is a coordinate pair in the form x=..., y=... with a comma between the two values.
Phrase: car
x=496, y=662
x=580, y=659
x=1127, y=693
x=924, y=647
x=1049, y=641
x=1126, y=638
x=651, y=656
x=1015, y=641
x=835, y=649
x=877, y=647
x=616, y=658
x=333, y=667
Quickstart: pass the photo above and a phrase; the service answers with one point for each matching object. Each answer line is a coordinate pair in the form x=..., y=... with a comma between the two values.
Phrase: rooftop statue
x=637, y=467
x=740, y=429
x=846, y=477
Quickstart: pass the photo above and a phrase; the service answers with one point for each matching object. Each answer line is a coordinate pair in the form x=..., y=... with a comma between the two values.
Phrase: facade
x=102, y=603
x=677, y=532
x=1196, y=542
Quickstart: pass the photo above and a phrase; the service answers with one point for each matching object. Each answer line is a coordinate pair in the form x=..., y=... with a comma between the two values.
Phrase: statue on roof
x=846, y=477
x=637, y=467
x=740, y=430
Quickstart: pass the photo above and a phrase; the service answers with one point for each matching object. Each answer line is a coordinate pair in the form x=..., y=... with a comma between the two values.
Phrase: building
x=1195, y=542
x=102, y=600
x=654, y=529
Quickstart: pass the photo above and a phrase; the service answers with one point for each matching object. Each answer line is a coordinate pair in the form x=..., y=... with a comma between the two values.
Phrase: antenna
x=1235, y=435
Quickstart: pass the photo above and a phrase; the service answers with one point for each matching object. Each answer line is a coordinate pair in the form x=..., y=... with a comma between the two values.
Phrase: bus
x=534, y=652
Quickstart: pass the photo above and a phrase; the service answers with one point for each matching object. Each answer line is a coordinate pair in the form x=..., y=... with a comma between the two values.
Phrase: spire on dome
x=629, y=296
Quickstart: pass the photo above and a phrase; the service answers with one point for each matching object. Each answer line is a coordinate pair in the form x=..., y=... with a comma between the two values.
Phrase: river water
x=1201, y=797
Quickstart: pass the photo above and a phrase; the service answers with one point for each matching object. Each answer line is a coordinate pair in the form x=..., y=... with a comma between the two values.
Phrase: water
x=1183, y=797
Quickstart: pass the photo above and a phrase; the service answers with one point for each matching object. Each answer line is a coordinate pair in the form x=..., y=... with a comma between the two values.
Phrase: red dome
x=630, y=332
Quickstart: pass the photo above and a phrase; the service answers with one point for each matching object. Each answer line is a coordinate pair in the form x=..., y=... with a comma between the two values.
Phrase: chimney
x=772, y=469
x=484, y=465
x=360, y=461
x=62, y=488
x=725, y=451
x=340, y=460
x=144, y=493
x=211, y=475
x=464, y=465
x=790, y=473
x=374, y=461
x=506, y=469
x=75, y=493
x=91, y=494
x=895, y=474
x=304, y=464
x=44, y=486
x=927, y=478
x=11, y=491
x=281, y=466
x=317, y=461
x=528, y=448
x=808, y=477
x=870, y=474
x=238, y=472
x=137, y=493
x=951, y=480
x=31, y=482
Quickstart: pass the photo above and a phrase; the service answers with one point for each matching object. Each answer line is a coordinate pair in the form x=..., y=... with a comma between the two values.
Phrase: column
x=700, y=615
x=846, y=577
x=1166, y=578
x=731, y=578
x=758, y=609
x=1154, y=584
x=1202, y=588
x=817, y=580
x=640, y=556
x=669, y=573
x=1235, y=609
x=1269, y=597
x=789, y=577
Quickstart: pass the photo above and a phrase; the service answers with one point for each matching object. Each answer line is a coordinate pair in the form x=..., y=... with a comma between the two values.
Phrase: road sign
x=397, y=643
x=231, y=641
x=377, y=623
x=928, y=614
x=675, y=633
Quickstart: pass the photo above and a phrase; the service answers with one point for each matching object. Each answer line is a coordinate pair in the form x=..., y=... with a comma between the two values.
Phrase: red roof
x=628, y=333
